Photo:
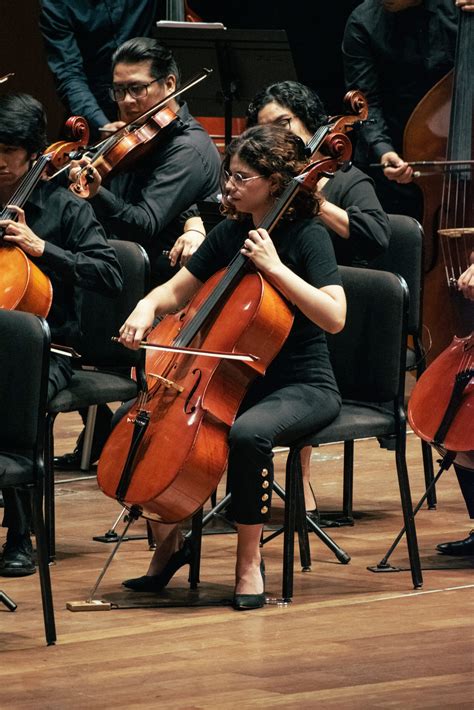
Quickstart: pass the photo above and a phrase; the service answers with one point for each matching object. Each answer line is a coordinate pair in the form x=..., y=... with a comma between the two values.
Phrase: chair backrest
x=368, y=355
x=24, y=366
x=404, y=256
x=102, y=316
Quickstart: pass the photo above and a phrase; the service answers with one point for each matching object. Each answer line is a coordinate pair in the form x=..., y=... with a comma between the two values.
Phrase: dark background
x=314, y=31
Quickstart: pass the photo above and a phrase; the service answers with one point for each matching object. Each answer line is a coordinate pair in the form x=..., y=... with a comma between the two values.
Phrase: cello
x=23, y=286
x=441, y=406
x=193, y=399
x=440, y=130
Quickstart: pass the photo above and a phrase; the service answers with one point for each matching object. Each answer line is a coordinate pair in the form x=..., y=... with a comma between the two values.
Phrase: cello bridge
x=166, y=382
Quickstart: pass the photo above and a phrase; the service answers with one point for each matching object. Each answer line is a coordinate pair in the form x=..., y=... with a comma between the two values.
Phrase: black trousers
x=17, y=511
x=466, y=484
x=267, y=418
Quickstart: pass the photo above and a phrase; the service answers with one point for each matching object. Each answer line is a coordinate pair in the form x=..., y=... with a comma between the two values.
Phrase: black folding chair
x=24, y=365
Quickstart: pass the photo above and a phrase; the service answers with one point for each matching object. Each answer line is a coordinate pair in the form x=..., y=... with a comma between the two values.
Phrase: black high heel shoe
x=244, y=602
x=157, y=582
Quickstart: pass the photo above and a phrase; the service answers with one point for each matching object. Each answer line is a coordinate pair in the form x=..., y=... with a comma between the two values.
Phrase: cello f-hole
x=188, y=407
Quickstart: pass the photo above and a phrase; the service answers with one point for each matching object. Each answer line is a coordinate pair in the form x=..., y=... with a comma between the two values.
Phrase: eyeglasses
x=283, y=121
x=136, y=91
x=238, y=179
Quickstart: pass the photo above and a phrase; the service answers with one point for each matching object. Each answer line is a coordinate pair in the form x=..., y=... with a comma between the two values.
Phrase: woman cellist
x=298, y=393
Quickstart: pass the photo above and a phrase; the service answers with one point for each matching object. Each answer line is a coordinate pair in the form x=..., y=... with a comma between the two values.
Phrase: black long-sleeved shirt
x=145, y=203
x=80, y=37
x=395, y=58
x=76, y=255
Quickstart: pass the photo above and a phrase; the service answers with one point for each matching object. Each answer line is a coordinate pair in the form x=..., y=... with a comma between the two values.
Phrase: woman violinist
x=298, y=393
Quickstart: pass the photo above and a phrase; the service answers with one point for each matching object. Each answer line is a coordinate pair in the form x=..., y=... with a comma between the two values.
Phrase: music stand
x=244, y=62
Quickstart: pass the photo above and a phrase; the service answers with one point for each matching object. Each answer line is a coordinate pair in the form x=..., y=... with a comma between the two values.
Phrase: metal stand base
x=9, y=603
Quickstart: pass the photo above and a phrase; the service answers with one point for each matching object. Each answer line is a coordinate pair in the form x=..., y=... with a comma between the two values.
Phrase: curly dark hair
x=298, y=98
x=22, y=122
x=272, y=151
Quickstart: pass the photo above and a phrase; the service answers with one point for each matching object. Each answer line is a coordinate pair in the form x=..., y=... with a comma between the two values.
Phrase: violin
x=439, y=135
x=441, y=407
x=133, y=140
x=168, y=455
x=23, y=286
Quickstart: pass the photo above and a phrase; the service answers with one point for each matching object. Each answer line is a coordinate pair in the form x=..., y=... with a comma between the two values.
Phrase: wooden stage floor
x=350, y=639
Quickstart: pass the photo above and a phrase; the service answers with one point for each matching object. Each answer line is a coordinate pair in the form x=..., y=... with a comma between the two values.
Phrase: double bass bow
x=440, y=130
x=169, y=453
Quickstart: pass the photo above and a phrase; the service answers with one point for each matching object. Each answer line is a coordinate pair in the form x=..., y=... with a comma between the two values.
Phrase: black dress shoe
x=157, y=582
x=17, y=559
x=245, y=602
x=68, y=462
x=459, y=548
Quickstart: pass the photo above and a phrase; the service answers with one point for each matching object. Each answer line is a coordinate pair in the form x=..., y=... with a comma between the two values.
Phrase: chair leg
x=427, y=454
x=88, y=438
x=196, y=535
x=301, y=526
x=408, y=516
x=49, y=506
x=348, y=481
x=290, y=524
x=43, y=567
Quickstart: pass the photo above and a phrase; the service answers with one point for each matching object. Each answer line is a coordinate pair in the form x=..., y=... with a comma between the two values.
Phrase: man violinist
x=61, y=235
x=150, y=202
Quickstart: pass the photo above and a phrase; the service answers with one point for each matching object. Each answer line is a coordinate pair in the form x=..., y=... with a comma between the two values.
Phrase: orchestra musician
x=464, y=461
x=395, y=51
x=61, y=235
x=298, y=392
x=349, y=207
x=152, y=201
x=80, y=38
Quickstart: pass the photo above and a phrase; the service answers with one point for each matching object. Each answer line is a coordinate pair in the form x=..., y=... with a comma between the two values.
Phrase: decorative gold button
x=264, y=509
x=265, y=484
x=265, y=496
x=264, y=472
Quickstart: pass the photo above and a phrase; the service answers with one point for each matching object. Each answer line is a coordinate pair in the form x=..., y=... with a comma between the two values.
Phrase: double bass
x=441, y=130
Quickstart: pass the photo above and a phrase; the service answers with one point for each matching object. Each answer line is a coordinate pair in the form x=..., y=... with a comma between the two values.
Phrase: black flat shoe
x=245, y=602
x=157, y=582
x=458, y=548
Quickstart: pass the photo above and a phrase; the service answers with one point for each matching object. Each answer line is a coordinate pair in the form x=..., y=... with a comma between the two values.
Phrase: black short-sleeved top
x=306, y=248
x=369, y=228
